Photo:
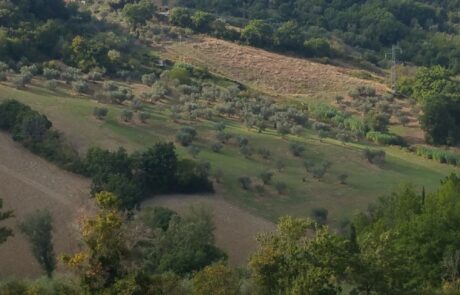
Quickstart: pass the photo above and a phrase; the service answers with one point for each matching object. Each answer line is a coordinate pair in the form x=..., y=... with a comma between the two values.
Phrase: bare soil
x=27, y=183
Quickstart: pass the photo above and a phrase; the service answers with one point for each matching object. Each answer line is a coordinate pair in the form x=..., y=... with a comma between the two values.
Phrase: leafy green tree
x=296, y=149
x=157, y=217
x=266, y=177
x=202, y=21
x=157, y=168
x=144, y=116
x=186, y=135
x=440, y=121
x=33, y=127
x=258, y=33
x=179, y=16
x=186, y=245
x=138, y=13
x=317, y=47
x=430, y=82
x=126, y=115
x=377, y=121
x=38, y=228
x=100, y=113
x=289, y=36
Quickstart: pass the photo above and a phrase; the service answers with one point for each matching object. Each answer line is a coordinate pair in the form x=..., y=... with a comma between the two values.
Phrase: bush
x=220, y=126
x=385, y=138
x=100, y=113
x=343, y=137
x=223, y=137
x=21, y=81
x=143, y=117
x=245, y=182
x=186, y=135
x=192, y=177
x=280, y=165
x=246, y=151
x=242, y=141
x=95, y=75
x=377, y=121
x=296, y=149
x=264, y=153
x=259, y=189
x=194, y=151
x=320, y=215
x=217, y=147
x=51, y=73
x=280, y=187
x=80, y=86
x=343, y=178
x=51, y=84
x=442, y=156
x=126, y=115
x=149, y=79
x=266, y=177
x=136, y=105
x=376, y=157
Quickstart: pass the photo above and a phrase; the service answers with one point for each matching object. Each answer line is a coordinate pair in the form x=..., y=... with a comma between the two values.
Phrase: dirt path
x=28, y=183
x=236, y=229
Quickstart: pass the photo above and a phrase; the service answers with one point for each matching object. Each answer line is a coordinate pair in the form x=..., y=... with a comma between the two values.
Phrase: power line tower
x=395, y=50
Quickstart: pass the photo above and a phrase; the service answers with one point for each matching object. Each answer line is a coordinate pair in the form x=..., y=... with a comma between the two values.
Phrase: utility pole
x=395, y=50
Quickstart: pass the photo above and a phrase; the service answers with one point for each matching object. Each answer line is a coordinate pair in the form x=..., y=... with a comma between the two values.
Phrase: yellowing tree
x=217, y=279
x=104, y=236
x=301, y=257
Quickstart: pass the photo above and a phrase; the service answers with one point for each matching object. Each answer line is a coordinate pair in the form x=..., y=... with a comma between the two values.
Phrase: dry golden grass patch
x=267, y=71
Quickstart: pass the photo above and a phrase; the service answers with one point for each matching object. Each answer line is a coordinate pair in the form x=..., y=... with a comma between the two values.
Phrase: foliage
x=5, y=232
x=138, y=13
x=385, y=138
x=187, y=244
x=105, y=239
x=100, y=113
x=438, y=93
x=216, y=279
x=440, y=155
x=186, y=135
x=405, y=221
x=376, y=157
x=266, y=177
x=296, y=149
x=38, y=228
x=245, y=182
x=33, y=131
x=277, y=269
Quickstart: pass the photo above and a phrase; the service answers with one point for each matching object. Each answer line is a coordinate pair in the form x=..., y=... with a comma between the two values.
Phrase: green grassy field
x=73, y=116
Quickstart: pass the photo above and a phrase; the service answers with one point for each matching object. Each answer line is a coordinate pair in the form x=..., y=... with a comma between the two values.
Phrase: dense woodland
x=406, y=243
x=425, y=30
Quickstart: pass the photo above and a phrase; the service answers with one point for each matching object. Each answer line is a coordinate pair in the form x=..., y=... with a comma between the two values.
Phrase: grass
x=366, y=182
x=271, y=73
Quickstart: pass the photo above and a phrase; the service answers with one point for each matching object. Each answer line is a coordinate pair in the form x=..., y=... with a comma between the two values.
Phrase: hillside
x=28, y=183
x=212, y=147
x=271, y=73
x=366, y=182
